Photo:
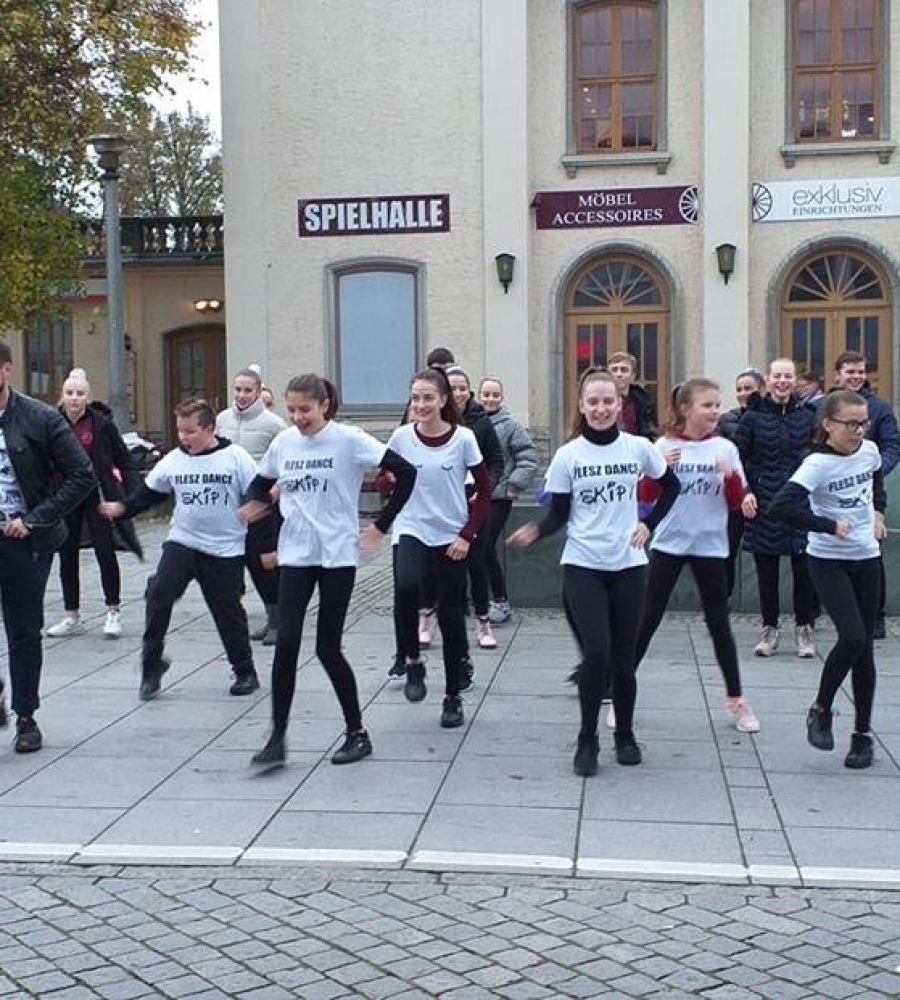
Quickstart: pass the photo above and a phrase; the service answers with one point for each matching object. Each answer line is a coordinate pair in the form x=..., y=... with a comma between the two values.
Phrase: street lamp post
x=109, y=149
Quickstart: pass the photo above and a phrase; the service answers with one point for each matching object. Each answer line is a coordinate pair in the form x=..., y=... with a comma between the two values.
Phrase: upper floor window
x=376, y=328
x=615, y=77
x=48, y=356
x=838, y=70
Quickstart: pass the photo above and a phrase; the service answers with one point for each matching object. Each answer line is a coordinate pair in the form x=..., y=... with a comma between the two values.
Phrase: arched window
x=834, y=302
x=49, y=356
x=618, y=303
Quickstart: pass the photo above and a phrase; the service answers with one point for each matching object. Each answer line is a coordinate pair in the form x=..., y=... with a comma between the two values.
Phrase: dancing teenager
x=837, y=495
x=694, y=533
x=434, y=531
x=772, y=436
x=519, y=464
x=93, y=426
x=593, y=481
x=318, y=466
x=208, y=477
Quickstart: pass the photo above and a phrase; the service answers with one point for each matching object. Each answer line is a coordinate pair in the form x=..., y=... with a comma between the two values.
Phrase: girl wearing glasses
x=837, y=495
x=592, y=482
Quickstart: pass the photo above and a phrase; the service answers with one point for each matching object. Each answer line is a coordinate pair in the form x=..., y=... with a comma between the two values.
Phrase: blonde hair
x=77, y=376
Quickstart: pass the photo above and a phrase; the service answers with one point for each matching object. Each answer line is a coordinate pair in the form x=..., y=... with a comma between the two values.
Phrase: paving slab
x=171, y=778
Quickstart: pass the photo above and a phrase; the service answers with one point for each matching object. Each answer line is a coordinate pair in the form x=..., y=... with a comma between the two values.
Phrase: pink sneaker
x=744, y=719
x=427, y=623
x=486, y=638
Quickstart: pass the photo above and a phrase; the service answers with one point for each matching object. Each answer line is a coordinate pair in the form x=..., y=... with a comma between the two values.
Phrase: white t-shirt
x=208, y=490
x=12, y=501
x=438, y=508
x=602, y=480
x=319, y=479
x=840, y=488
x=697, y=524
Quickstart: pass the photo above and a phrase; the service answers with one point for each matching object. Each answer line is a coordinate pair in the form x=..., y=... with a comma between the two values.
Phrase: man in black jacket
x=638, y=414
x=44, y=473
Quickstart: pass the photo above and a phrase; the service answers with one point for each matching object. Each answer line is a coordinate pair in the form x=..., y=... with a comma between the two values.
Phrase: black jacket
x=53, y=471
x=109, y=455
x=772, y=439
x=480, y=424
x=646, y=420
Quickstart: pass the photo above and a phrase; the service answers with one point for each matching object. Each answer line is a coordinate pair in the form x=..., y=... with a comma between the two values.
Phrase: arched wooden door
x=196, y=366
x=618, y=303
x=834, y=302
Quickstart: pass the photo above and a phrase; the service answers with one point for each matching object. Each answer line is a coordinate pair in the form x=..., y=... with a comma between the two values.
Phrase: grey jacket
x=253, y=429
x=520, y=456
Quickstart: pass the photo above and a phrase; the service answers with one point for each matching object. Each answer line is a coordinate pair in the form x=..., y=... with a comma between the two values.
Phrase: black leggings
x=767, y=578
x=735, y=534
x=710, y=575
x=604, y=608
x=101, y=531
x=849, y=592
x=414, y=563
x=295, y=590
x=485, y=571
x=262, y=537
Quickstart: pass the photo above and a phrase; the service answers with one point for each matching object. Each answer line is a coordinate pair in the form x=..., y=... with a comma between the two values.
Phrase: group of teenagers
x=794, y=478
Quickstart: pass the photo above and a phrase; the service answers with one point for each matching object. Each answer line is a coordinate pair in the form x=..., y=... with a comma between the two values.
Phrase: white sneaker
x=427, y=622
x=486, y=638
x=768, y=642
x=744, y=719
x=500, y=612
x=805, y=648
x=112, y=627
x=68, y=626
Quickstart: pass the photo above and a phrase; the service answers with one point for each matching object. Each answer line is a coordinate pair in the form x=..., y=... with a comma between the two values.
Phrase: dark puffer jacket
x=772, y=439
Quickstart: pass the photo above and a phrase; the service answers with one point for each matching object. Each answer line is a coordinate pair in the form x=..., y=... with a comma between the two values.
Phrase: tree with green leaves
x=69, y=69
x=173, y=167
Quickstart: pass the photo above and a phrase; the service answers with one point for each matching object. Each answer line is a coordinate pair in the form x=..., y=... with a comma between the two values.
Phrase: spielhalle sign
x=615, y=207
x=385, y=214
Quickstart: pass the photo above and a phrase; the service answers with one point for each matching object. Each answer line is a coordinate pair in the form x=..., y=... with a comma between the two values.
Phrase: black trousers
x=262, y=536
x=485, y=572
x=221, y=581
x=849, y=592
x=767, y=573
x=604, y=608
x=711, y=576
x=23, y=583
x=414, y=564
x=104, y=549
x=735, y=534
x=295, y=591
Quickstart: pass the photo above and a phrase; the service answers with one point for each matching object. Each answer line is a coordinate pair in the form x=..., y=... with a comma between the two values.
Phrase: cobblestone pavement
x=124, y=934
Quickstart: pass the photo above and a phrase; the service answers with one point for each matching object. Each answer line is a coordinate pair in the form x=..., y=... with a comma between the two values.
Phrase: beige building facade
x=706, y=184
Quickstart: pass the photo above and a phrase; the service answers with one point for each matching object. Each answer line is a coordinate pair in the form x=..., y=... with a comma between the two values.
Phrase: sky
x=203, y=93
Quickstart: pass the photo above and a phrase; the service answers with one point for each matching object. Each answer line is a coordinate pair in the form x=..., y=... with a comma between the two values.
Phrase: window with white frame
x=376, y=334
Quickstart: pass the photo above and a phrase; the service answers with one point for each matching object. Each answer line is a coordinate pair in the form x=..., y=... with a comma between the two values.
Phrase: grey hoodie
x=520, y=456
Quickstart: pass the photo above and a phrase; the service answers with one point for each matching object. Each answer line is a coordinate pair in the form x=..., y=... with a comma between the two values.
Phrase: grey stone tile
x=512, y=781
x=637, y=793
x=52, y=824
x=371, y=786
x=357, y=831
x=499, y=829
x=839, y=800
x=659, y=841
x=190, y=822
x=227, y=774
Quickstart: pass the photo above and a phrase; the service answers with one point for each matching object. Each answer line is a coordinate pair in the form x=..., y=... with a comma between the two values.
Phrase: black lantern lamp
x=506, y=265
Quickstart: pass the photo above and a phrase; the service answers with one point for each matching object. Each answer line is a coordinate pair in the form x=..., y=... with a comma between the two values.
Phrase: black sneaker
x=466, y=673
x=151, y=680
x=414, y=688
x=585, y=761
x=272, y=754
x=627, y=750
x=245, y=683
x=28, y=736
x=880, y=629
x=818, y=728
x=398, y=667
x=574, y=677
x=452, y=713
x=861, y=752
x=355, y=747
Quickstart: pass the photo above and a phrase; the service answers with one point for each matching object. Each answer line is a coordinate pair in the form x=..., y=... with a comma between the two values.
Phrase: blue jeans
x=23, y=582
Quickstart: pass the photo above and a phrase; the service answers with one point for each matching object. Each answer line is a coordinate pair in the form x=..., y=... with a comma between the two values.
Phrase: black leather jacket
x=52, y=468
